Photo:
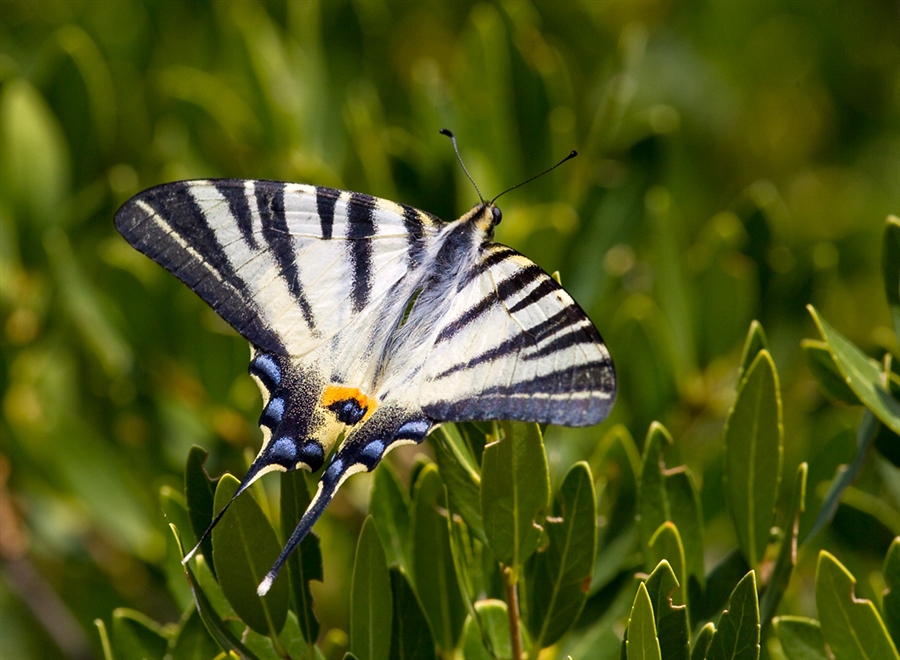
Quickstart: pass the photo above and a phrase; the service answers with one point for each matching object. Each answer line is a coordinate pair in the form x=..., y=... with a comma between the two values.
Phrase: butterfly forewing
x=287, y=265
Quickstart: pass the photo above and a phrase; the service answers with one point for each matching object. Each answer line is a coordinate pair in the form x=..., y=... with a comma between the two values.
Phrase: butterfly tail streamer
x=257, y=469
x=388, y=428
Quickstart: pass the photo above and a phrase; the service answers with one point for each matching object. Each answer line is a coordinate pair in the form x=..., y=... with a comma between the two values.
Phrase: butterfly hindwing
x=515, y=345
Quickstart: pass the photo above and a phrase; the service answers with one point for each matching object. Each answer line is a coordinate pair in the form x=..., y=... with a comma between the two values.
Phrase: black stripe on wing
x=568, y=317
x=360, y=229
x=166, y=224
x=561, y=397
x=270, y=203
x=506, y=289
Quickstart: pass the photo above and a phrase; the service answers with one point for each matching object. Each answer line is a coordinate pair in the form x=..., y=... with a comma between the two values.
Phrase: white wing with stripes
x=514, y=345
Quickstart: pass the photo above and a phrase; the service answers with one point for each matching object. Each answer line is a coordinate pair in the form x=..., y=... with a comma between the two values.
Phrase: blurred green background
x=737, y=161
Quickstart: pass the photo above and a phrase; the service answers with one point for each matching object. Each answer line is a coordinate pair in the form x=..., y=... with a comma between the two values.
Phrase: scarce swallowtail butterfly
x=371, y=319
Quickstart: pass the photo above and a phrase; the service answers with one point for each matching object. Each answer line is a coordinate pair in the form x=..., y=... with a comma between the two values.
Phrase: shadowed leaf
x=245, y=547
x=371, y=603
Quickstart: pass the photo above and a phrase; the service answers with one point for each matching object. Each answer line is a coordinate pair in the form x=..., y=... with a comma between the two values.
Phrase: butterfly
x=371, y=320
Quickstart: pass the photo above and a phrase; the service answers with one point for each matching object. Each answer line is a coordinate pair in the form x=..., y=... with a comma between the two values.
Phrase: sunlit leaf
x=495, y=623
x=851, y=626
x=515, y=488
x=787, y=555
x=753, y=344
x=862, y=375
x=753, y=457
x=671, y=620
x=642, y=643
x=666, y=545
x=801, y=638
x=702, y=641
x=737, y=634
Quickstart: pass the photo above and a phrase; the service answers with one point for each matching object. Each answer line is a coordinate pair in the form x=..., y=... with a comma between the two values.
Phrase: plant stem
x=512, y=609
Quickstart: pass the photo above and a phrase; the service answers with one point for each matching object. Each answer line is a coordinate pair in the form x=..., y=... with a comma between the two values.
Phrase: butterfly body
x=371, y=320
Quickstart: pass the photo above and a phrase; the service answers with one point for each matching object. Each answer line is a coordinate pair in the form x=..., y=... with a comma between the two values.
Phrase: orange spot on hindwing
x=348, y=404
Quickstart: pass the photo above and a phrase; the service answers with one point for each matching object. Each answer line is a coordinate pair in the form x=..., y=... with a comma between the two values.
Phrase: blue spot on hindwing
x=373, y=451
x=273, y=413
x=283, y=452
x=416, y=430
x=267, y=370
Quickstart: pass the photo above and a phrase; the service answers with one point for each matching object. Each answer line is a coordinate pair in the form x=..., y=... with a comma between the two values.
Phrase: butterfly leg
x=388, y=427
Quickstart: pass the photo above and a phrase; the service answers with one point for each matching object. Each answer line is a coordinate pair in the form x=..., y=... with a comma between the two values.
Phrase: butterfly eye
x=498, y=216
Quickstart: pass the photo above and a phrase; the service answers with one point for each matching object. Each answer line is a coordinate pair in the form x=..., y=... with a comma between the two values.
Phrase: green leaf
x=200, y=492
x=669, y=495
x=173, y=505
x=828, y=376
x=460, y=474
x=891, y=598
x=104, y=639
x=515, y=487
x=371, y=603
x=666, y=545
x=410, y=635
x=787, y=555
x=801, y=638
x=683, y=499
x=192, y=641
x=495, y=624
x=389, y=506
x=851, y=626
x=753, y=456
x=671, y=620
x=720, y=582
x=211, y=619
x=467, y=554
x=846, y=474
x=245, y=547
x=701, y=644
x=737, y=636
x=862, y=375
x=617, y=462
x=890, y=265
x=641, y=642
x=558, y=577
x=433, y=572
x=34, y=159
x=305, y=564
x=136, y=636
x=754, y=343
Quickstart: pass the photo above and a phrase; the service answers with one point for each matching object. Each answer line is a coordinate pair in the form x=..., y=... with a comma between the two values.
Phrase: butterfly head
x=484, y=216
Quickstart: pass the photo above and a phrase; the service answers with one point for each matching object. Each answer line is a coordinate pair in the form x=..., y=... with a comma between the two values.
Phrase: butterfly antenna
x=452, y=137
x=571, y=155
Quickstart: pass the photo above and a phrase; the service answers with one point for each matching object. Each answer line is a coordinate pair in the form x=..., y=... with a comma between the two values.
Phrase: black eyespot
x=498, y=216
